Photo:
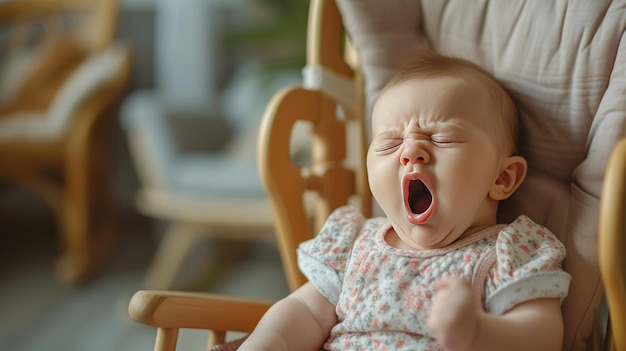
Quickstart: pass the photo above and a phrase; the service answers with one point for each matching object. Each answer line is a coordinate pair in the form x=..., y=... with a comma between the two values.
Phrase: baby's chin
x=421, y=237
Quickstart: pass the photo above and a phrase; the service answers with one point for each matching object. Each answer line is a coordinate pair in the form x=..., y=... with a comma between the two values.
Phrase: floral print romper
x=382, y=295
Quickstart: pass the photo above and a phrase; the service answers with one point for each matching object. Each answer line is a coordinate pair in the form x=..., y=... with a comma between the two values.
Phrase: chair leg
x=87, y=239
x=173, y=248
x=215, y=338
x=166, y=339
x=74, y=258
x=86, y=223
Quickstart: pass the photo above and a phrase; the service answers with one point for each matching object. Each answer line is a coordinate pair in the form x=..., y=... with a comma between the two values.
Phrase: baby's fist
x=454, y=314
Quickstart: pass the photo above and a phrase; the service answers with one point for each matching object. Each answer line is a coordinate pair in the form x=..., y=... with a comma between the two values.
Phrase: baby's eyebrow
x=440, y=126
x=428, y=128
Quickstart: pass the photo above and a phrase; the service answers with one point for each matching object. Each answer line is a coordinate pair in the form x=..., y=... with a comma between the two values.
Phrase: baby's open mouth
x=419, y=197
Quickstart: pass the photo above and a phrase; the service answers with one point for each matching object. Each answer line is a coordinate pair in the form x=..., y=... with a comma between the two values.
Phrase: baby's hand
x=454, y=314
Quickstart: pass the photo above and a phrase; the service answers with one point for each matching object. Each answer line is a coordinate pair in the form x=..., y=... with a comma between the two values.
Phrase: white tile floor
x=39, y=313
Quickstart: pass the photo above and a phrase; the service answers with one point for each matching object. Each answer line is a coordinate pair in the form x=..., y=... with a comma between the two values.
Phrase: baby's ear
x=512, y=173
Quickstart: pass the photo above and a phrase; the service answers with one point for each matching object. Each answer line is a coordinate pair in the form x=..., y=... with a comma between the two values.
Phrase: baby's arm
x=301, y=321
x=460, y=324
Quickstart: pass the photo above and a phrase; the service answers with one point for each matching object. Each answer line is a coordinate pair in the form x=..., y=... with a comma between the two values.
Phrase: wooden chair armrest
x=611, y=243
x=169, y=309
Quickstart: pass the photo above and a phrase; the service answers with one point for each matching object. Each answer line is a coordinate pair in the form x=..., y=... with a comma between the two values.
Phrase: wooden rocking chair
x=562, y=61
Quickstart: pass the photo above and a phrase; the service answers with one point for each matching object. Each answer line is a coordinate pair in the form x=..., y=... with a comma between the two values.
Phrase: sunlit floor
x=37, y=312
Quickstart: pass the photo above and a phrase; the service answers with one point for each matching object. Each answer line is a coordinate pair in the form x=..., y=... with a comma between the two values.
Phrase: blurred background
x=177, y=163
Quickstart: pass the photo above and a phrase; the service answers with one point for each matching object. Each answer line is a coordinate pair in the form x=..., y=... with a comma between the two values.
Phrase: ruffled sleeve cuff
x=542, y=285
x=324, y=278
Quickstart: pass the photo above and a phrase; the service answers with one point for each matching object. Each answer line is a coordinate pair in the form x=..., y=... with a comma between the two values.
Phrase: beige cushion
x=565, y=64
x=48, y=116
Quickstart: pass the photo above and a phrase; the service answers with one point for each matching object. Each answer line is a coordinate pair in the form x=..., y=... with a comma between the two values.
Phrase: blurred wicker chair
x=563, y=63
x=62, y=76
x=193, y=146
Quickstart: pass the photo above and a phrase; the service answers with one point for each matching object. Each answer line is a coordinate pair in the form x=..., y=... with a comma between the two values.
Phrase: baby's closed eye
x=445, y=140
x=387, y=145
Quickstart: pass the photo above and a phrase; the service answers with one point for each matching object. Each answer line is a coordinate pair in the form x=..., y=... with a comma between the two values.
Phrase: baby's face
x=433, y=160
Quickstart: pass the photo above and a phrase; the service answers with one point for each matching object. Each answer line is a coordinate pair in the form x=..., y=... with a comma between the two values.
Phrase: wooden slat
x=325, y=38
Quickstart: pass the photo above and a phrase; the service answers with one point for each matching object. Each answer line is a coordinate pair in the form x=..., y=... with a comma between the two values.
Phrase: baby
x=438, y=271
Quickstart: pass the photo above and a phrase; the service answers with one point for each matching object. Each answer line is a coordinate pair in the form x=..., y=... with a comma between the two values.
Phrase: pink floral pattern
x=382, y=294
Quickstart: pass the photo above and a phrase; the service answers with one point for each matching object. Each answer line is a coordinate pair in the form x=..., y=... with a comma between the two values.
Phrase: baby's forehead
x=441, y=94
x=461, y=82
x=461, y=74
x=436, y=100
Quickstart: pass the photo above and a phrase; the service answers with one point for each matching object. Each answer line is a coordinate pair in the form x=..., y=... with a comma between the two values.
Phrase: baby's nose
x=414, y=153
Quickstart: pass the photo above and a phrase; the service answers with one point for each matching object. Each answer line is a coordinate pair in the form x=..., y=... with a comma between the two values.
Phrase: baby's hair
x=428, y=64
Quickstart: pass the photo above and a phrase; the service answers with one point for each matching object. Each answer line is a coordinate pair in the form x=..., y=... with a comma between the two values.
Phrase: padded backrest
x=564, y=62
